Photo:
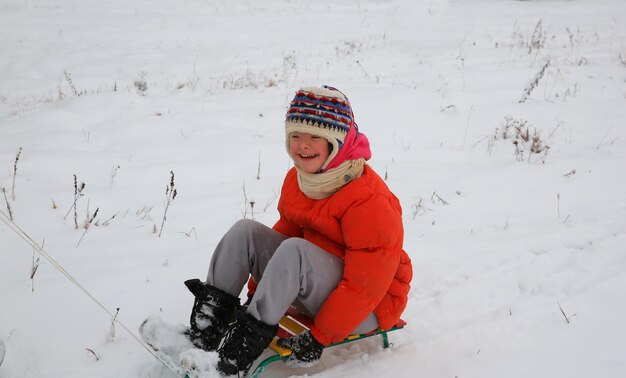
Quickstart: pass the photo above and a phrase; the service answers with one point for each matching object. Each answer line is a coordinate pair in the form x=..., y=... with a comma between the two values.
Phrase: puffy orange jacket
x=362, y=225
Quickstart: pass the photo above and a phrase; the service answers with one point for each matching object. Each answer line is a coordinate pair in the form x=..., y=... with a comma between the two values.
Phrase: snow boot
x=213, y=310
x=243, y=343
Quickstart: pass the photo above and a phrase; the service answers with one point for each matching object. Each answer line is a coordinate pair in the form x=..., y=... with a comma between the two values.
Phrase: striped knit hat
x=326, y=112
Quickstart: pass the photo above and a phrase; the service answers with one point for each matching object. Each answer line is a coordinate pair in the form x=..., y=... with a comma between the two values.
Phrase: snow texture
x=519, y=256
x=168, y=338
x=200, y=363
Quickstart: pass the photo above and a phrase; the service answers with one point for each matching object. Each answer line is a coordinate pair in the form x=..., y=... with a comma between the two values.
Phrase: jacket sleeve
x=283, y=225
x=288, y=229
x=373, y=234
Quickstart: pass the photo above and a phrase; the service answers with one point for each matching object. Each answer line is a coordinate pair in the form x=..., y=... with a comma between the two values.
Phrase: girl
x=335, y=253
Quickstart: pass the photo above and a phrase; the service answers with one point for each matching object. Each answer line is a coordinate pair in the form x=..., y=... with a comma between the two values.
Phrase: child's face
x=308, y=151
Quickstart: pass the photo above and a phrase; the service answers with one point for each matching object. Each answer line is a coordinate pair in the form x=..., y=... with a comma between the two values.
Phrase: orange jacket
x=362, y=225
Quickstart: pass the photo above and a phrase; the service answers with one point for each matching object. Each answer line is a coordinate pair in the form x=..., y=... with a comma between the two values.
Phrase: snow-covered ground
x=519, y=257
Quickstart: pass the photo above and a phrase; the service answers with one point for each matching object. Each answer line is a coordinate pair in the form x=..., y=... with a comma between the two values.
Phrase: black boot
x=213, y=310
x=243, y=343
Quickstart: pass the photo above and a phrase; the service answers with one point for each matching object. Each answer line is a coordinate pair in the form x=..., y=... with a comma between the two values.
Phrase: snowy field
x=499, y=124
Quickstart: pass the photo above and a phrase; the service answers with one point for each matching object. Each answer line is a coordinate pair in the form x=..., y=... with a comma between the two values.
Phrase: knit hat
x=326, y=112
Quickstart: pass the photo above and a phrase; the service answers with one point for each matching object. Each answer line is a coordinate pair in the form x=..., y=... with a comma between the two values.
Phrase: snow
x=520, y=273
x=167, y=338
x=202, y=364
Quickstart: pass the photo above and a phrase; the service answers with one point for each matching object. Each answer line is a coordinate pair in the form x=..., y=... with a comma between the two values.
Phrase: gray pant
x=289, y=271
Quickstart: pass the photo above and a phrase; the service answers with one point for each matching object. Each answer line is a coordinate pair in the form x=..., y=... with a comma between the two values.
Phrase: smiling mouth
x=308, y=156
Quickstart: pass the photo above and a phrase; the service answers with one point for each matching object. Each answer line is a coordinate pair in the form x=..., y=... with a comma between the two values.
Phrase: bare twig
x=144, y=213
x=170, y=195
x=436, y=196
x=268, y=203
x=87, y=224
x=567, y=318
x=33, y=268
x=93, y=353
x=603, y=137
x=114, y=170
x=363, y=69
x=192, y=231
x=538, y=39
x=245, y=201
x=622, y=59
x=112, y=332
x=68, y=78
x=534, y=82
x=450, y=107
x=252, y=208
x=570, y=173
x=416, y=208
x=467, y=125
x=7, y=203
x=106, y=222
x=17, y=158
x=78, y=193
x=523, y=140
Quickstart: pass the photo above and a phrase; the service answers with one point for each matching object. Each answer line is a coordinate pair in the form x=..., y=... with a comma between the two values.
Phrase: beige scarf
x=321, y=185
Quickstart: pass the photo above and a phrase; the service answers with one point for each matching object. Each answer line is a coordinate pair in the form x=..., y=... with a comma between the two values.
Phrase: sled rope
x=24, y=236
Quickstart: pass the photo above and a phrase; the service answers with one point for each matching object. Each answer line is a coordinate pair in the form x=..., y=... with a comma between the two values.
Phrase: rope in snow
x=15, y=228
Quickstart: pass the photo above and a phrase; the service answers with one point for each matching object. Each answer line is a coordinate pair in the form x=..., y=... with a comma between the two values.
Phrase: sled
x=294, y=323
